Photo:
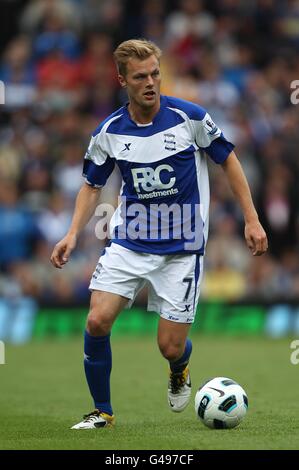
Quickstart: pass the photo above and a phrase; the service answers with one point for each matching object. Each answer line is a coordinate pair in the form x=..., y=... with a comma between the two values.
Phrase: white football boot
x=95, y=419
x=179, y=390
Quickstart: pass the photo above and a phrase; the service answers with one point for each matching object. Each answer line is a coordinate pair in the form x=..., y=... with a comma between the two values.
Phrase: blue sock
x=180, y=364
x=98, y=365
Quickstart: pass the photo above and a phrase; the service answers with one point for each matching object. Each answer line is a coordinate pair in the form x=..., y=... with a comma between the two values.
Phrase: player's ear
x=122, y=81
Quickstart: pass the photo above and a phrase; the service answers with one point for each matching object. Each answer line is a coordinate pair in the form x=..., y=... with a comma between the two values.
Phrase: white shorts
x=173, y=280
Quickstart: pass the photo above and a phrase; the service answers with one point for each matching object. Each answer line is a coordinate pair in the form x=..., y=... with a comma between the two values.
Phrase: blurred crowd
x=234, y=57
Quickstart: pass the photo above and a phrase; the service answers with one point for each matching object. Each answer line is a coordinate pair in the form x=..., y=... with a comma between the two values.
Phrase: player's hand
x=256, y=238
x=62, y=251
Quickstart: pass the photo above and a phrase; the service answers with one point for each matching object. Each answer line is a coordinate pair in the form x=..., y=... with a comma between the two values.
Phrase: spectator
x=18, y=229
x=18, y=73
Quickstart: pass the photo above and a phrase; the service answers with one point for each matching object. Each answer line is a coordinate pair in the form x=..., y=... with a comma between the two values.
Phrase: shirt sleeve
x=210, y=138
x=97, y=166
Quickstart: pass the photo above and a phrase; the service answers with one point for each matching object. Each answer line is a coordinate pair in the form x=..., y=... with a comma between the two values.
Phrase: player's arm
x=86, y=202
x=255, y=235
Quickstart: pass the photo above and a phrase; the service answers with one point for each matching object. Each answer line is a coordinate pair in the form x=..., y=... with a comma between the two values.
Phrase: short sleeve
x=210, y=138
x=97, y=166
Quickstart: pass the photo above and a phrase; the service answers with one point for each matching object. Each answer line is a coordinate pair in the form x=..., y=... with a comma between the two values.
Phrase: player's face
x=142, y=81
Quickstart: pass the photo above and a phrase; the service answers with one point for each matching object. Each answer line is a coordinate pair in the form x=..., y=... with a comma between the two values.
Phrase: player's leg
x=114, y=285
x=172, y=340
x=104, y=308
x=176, y=347
x=174, y=293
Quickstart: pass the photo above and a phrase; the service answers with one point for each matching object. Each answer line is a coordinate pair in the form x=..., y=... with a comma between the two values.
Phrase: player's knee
x=171, y=351
x=97, y=324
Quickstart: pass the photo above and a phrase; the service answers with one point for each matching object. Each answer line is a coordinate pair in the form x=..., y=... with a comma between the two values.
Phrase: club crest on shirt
x=169, y=141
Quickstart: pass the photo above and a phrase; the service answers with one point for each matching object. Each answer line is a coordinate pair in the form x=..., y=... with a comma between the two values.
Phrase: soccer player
x=160, y=228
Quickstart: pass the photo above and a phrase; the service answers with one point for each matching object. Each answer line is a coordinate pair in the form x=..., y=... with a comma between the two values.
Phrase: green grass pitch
x=43, y=393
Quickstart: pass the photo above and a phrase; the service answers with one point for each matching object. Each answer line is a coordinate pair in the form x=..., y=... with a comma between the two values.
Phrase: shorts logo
x=187, y=308
x=149, y=179
x=96, y=272
x=171, y=317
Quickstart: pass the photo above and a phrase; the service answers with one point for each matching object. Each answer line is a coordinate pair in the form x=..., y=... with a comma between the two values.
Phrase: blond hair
x=138, y=48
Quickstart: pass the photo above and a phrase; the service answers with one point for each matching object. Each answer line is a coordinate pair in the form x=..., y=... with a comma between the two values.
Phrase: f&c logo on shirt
x=149, y=179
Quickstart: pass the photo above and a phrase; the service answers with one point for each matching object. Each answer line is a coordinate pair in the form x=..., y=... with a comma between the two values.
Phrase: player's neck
x=142, y=115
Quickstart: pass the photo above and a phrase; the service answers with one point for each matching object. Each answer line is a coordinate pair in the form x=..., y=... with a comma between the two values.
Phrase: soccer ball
x=221, y=403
